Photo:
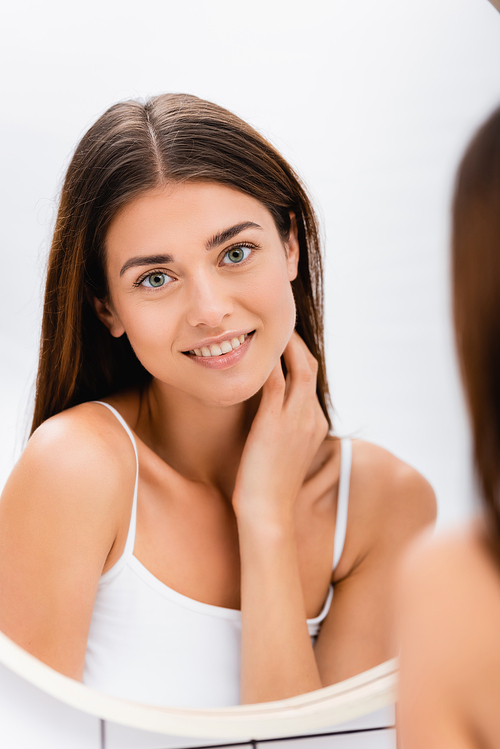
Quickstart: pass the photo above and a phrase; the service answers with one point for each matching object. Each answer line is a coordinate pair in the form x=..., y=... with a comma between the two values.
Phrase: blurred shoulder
x=449, y=620
x=454, y=570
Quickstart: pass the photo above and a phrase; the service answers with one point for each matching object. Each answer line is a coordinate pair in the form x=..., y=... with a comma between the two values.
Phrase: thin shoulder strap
x=129, y=545
x=342, y=499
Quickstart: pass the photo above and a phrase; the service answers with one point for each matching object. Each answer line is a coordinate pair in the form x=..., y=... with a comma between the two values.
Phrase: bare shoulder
x=88, y=426
x=389, y=500
x=82, y=451
x=389, y=505
x=449, y=614
x=61, y=511
x=391, y=479
x=457, y=578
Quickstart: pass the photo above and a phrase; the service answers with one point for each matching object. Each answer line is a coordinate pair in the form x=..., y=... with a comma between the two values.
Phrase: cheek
x=273, y=298
x=149, y=334
x=288, y=316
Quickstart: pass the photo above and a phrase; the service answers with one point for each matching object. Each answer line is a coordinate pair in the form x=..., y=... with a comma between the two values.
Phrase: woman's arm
x=278, y=660
x=390, y=503
x=59, y=515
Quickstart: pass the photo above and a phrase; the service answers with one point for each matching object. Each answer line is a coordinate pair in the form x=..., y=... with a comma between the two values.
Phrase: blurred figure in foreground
x=450, y=586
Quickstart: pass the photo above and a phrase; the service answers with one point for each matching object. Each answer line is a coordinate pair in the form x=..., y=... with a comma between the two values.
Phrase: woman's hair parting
x=132, y=148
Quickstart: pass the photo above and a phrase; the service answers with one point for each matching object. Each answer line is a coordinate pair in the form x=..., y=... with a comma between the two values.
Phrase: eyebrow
x=217, y=239
x=224, y=236
x=146, y=260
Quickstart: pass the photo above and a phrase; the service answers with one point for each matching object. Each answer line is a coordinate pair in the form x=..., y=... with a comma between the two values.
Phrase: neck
x=202, y=442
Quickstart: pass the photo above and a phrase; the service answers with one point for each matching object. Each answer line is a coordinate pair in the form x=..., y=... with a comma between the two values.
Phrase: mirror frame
x=352, y=698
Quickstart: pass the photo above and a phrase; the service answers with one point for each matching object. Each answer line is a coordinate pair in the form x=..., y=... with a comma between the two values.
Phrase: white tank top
x=148, y=643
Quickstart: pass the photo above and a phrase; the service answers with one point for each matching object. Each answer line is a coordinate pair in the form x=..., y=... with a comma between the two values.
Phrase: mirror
x=333, y=711
x=372, y=104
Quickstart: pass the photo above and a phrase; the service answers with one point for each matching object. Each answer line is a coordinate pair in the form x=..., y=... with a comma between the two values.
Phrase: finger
x=273, y=390
x=302, y=367
x=296, y=340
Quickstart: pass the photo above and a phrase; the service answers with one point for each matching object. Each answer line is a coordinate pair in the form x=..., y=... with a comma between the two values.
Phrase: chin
x=233, y=396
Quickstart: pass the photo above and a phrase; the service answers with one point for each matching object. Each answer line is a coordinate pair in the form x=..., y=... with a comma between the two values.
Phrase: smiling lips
x=221, y=355
x=216, y=349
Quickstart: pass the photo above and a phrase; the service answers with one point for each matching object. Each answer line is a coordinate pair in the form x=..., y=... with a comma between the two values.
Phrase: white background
x=372, y=102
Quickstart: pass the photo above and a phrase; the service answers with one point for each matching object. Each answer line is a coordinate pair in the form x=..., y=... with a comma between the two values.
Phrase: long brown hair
x=134, y=147
x=476, y=301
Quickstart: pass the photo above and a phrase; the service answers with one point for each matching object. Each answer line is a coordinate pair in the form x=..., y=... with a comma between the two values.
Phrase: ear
x=292, y=248
x=108, y=316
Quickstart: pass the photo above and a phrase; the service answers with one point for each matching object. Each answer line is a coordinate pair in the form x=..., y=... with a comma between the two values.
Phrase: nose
x=208, y=301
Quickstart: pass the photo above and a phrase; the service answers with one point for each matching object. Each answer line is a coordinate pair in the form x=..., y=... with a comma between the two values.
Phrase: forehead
x=183, y=215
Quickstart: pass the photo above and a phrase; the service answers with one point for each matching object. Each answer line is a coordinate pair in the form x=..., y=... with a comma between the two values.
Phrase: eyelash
x=156, y=271
x=248, y=245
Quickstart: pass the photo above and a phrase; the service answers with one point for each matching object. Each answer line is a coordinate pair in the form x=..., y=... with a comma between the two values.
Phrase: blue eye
x=236, y=255
x=154, y=280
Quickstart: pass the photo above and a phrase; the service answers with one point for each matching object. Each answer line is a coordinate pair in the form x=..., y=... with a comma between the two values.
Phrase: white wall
x=372, y=102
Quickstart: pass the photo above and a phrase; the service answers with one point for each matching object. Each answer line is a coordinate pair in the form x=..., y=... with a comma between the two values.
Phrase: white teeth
x=222, y=348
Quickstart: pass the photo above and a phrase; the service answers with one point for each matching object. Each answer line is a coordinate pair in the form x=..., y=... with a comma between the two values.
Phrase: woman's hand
x=277, y=658
x=286, y=433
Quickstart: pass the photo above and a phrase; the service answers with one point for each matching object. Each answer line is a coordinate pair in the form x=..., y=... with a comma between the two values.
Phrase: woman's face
x=192, y=268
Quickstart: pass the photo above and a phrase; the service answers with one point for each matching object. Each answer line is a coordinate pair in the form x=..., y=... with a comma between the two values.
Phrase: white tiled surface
x=121, y=737
x=376, y=739
x=31, y=719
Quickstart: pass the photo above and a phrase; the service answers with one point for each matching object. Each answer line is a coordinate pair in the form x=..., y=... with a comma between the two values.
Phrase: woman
x=450, y=589
x=173, y=542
